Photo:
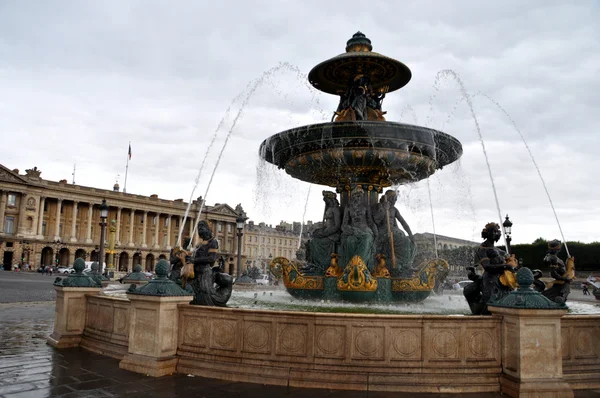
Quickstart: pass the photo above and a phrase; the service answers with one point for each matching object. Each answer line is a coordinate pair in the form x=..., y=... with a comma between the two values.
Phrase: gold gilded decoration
x=381, y=270
x=334, y=269
x=570, y=272
x=424, y=279
x=508, y=277
x=357, y=277
x=293, y=278
x=187, y=271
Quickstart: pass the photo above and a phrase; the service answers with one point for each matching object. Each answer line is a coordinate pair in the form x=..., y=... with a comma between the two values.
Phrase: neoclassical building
x=45, y=222
x=263, y=242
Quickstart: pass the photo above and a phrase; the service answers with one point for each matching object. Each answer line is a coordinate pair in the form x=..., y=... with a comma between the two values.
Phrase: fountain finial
x=359, y=43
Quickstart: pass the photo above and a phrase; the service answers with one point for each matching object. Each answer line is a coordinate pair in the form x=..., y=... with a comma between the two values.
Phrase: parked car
x=149, y=275
x=263, y=280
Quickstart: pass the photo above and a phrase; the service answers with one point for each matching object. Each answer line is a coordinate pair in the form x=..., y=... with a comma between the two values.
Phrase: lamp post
x=111, y=246
x=239, y=223
x=56, y=246
x=507, y=224
x=103, y=216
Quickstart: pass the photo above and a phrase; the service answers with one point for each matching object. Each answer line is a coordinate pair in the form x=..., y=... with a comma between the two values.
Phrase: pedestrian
x=586, y=291
x=27, y=267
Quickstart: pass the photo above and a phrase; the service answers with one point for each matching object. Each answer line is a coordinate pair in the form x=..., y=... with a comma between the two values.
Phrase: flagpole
x=127, y=168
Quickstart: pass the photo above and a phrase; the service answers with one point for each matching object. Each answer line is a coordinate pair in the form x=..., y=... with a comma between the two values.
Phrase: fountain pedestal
x=69, y=318
x=153, y=335
x=531, y=353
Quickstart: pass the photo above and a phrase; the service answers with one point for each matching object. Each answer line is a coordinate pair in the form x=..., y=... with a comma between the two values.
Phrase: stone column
x=3, y=200
x=130, y=263
x=22, y=222
x=119, y=225
x=70, y=315
x=169, y=220
x=131, y=224
x=157, y=232
x=74, y=223
x=57, y=226
x=88, y=234
x=532, y=353
x=144, y=229
x=40, y=227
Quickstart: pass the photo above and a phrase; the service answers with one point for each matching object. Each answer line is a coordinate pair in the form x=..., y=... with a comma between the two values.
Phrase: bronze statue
x=210, y=288
x=358, y=231
x=563, y=274
x=324, y=240
x=360, y=101
x=398, y=248
x=178, y=257
x=493, y=284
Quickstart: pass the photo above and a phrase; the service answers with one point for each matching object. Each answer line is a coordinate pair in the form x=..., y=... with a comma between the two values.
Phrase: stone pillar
x=119, y=225
x=3, y=200
x=88, y=234
x=40, y=227
x=154, y=325
x=532, y=353
x=57, y=226
x=131, y=224
x=22, y=221
x=157, y=232
x=130, y=263
x=69, y=316
x=169, y=220
x=74, y=223
x=144, y=229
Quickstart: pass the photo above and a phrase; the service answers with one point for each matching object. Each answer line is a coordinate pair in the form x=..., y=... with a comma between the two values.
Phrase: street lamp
x=239, y=223
x=507, y=224
x=56, y=247
x=103, y=216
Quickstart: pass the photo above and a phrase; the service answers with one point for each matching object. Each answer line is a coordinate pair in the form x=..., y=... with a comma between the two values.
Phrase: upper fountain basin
x=370, y=152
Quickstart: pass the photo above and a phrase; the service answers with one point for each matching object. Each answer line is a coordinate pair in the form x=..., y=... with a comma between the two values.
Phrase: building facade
x=45, y=222
x=263, y=242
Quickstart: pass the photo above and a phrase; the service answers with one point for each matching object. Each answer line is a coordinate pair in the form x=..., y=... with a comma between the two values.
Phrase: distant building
x=264, y=242
x=425, y=241
x=51, y=223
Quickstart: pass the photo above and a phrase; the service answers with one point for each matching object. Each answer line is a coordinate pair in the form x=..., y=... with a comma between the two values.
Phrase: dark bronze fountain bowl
x=368, y=152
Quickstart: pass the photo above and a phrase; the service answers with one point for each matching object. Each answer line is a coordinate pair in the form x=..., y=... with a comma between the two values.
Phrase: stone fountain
x=360, y=254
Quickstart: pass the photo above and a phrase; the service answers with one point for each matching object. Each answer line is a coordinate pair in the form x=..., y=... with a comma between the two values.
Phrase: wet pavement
x=26, y=286
x=31, y=368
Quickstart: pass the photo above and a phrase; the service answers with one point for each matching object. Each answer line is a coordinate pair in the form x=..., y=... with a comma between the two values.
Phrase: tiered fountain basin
x=380, y=153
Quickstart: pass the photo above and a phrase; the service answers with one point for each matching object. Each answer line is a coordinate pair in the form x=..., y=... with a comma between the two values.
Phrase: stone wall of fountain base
x=341, y=351
x=405, y=353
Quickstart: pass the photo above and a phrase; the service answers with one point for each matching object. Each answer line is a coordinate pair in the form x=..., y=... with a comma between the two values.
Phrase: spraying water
x=432, y=218
x=449, y=72
x=252, y=87
x=303, y=216
x=534, y=163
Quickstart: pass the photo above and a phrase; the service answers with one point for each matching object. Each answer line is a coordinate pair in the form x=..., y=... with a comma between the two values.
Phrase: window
x=279, y=241
x=166, y=221
x=60, y=230
x=249, y=239
x=9, y=225
x=12, y=199
x=44, y=228
x=255, y=239
x=229, y=228
x=263, y=239
x=154, y=220
x=269, y=240
x=177, y=223
x=45, y=205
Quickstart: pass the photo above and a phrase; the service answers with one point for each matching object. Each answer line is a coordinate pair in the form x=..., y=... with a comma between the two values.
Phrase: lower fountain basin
x=382, y=153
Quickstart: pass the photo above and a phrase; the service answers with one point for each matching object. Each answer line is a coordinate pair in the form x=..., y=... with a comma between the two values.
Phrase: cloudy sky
x=179, y=79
